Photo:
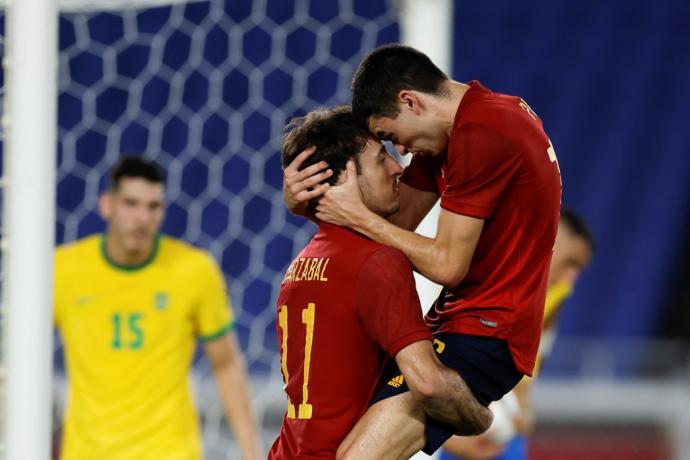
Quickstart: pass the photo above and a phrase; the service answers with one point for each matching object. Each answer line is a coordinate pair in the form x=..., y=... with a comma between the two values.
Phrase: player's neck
x=117, y=255
x=447, y=110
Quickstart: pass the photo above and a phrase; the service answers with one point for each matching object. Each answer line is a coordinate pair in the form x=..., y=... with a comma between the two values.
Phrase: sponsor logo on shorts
x=396, y=382
x=486, y=322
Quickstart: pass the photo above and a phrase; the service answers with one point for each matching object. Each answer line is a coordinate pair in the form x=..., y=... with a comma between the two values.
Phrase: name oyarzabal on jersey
x=307, y=269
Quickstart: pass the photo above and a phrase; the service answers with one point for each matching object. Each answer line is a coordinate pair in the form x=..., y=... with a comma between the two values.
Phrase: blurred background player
x=572, y=253
x=346, y=303
x=130, y=305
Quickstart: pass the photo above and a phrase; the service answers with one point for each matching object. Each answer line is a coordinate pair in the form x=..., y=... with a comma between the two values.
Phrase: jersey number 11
x=304, y=410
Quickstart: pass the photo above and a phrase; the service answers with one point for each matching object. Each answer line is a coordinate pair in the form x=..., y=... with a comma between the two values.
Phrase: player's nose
x=143, y=215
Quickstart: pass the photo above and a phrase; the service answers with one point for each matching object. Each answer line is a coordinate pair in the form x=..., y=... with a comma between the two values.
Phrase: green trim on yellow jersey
x=130, y=268
x=220, y=333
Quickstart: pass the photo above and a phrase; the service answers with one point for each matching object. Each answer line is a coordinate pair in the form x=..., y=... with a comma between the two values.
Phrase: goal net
x=205, y=89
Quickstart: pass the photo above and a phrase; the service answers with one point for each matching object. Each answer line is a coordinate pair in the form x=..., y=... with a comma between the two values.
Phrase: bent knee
x=484, y=421
x=476, y=422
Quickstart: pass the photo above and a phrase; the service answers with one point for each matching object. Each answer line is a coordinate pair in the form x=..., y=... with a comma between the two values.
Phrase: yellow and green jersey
x=556, y=295
x=129, y=335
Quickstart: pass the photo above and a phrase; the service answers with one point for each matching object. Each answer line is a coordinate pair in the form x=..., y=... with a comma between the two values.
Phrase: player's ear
x=408, y=99
x=105, y=205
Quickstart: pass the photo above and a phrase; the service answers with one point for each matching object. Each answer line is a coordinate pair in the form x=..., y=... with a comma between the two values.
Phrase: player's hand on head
x=299, y=187
x=343, y=204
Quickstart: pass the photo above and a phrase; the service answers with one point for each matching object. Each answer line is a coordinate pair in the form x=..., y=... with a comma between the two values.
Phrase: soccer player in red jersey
x=347, y=303
x=487, y=157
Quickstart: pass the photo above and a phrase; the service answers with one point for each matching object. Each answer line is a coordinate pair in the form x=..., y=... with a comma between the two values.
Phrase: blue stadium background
x=609, y=79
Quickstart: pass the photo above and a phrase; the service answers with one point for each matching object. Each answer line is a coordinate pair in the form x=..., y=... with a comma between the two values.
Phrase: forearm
x=234, y=393
x=455, y=405
x=425, y=254
x=525, y=418
x=440, y=391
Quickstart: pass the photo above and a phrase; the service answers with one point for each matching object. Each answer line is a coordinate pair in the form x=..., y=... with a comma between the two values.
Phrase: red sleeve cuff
x=404, y=341
x=465, y=209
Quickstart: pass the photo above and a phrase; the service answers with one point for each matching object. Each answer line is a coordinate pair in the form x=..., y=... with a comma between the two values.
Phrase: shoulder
x=369, y=251
x=386, y=263
x=483, y=102
x=492, y=129
x=499, y=116
x=341, y=240
x=178, y=247
x=78, y=251
x=388, y=254
x=486, y=107
x=181, y=253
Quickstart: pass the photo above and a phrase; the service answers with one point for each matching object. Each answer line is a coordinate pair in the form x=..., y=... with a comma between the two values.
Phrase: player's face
x=134, y=212
x=378, y=179
x=571, y=255
x=416, y=131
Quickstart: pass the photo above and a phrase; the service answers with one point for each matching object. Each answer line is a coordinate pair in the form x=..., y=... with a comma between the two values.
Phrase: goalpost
x=29, y=126
x=30, y=130
x=427, y=26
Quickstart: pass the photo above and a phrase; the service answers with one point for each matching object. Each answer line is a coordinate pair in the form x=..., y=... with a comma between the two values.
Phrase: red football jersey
x=345, y=304
x=500, y=167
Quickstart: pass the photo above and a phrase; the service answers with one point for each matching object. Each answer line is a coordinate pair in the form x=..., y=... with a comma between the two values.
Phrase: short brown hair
x=337, y=135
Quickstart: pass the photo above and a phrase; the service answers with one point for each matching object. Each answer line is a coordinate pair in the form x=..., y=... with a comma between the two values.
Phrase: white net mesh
x=205, y=88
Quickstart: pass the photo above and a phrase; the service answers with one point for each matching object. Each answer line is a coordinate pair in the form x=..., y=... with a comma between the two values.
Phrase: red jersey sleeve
x=421, y=173
x=481, y=164
x=387, y=301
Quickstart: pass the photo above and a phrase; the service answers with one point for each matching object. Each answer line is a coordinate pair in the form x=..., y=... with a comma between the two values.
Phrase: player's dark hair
x=578, y=226
x=385, y=72
x=337, y=135
x=132, y=167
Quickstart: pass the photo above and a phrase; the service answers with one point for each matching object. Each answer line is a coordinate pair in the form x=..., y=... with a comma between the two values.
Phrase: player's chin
x=393, y=207
x=431, y=152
